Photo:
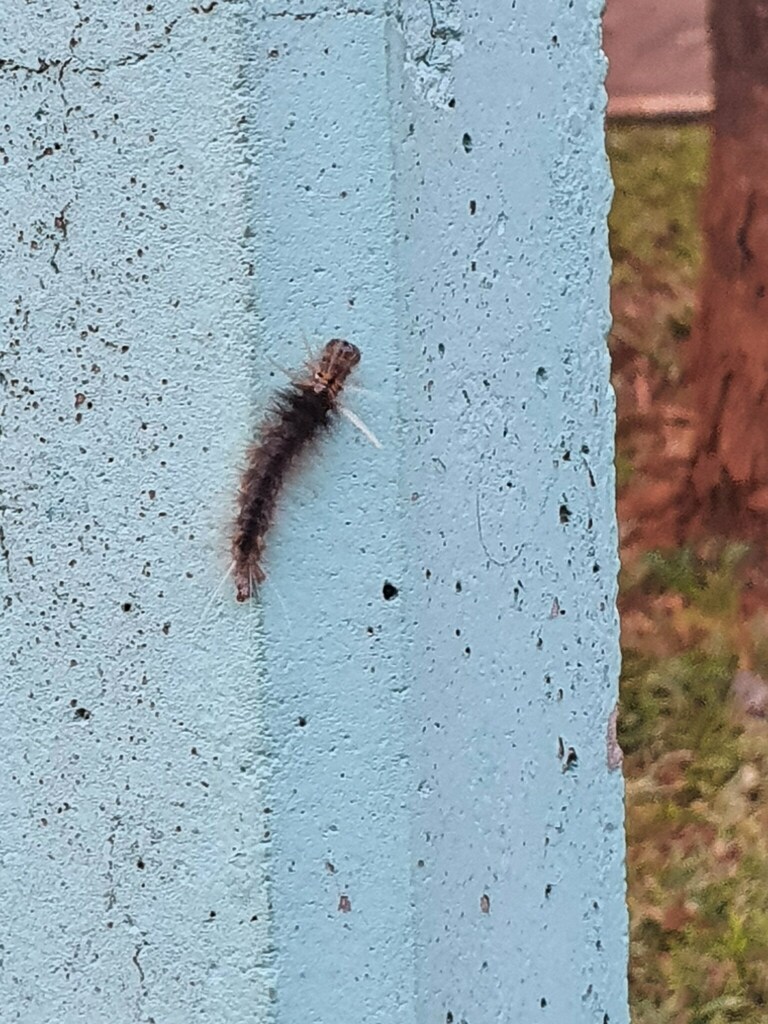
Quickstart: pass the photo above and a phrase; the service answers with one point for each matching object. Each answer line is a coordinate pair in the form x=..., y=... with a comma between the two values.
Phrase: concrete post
x=386, y=790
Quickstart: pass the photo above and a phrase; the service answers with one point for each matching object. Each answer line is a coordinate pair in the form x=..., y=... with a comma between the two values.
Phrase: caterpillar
x=298, y=415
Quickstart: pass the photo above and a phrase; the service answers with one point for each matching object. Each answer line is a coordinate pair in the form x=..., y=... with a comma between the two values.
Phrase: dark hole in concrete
x=389, y=590
x=466, y=141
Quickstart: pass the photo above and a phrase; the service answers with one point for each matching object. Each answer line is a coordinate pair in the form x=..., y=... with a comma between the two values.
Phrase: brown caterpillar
x=299, y=413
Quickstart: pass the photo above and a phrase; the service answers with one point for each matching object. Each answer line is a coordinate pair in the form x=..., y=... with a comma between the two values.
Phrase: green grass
x=697, y=775
x=658, y=173
x=697, y=799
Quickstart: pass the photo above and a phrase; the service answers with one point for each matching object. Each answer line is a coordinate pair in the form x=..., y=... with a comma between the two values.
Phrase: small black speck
x=458, y=586
x=140, y=864
x=302, y=721
x=389, y=590
x=466, y=141
x=83, y=713
x=126, y=606
x=565, y=514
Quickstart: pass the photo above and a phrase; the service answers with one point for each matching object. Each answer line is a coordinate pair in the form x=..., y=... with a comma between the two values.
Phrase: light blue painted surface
x=293, y=811
x=501, y=207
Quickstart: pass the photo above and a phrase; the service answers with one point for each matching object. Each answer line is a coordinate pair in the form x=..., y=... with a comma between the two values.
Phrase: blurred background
x=688, y=144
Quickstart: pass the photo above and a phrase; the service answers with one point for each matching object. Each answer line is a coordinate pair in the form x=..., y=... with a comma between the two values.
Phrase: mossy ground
x=696, y=766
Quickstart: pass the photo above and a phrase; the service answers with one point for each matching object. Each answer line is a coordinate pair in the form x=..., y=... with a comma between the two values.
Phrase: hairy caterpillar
x=299, y=414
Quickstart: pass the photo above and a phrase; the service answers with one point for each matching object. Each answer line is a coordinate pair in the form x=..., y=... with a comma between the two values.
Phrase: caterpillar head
x=337, y=360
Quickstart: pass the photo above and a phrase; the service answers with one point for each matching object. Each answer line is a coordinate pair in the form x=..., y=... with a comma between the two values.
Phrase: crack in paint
x=8, y=65
x=43, y=66
x=308, y=15
x=135, y=959
x=130, y=58
x=433, y=43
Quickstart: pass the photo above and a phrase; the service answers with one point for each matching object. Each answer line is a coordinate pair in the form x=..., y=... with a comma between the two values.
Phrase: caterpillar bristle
x=298, y=414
